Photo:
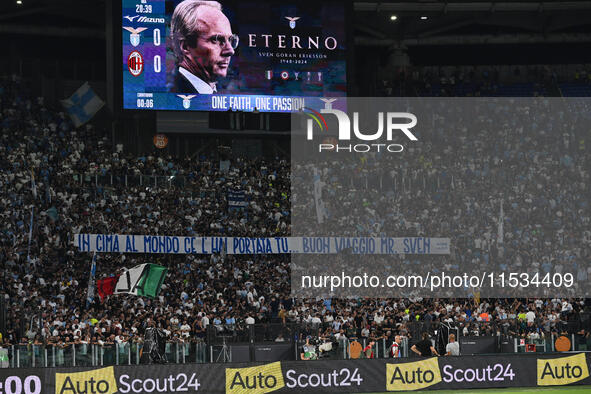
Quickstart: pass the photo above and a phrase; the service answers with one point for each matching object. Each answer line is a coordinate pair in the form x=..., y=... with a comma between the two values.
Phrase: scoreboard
x=191, y=55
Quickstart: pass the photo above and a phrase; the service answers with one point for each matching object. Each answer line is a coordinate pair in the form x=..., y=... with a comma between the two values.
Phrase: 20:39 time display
x=15, y=385
x=143, y=9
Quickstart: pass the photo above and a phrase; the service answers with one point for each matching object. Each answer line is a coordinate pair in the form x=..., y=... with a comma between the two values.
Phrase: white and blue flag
x=91, y=282
x=33, y=185
x=83, y=105
x=500, y=230
x=30, y=234
x=321, y=211
x=237, y=199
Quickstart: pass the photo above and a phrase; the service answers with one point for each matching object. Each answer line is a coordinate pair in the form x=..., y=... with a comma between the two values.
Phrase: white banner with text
x=168, y=244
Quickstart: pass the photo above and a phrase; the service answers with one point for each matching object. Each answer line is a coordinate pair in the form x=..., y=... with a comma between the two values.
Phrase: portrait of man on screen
x=203, y=45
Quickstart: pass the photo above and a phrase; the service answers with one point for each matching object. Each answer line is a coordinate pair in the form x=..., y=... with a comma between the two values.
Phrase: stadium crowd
x=46, y=178
x=480, y=81
x=454, y=186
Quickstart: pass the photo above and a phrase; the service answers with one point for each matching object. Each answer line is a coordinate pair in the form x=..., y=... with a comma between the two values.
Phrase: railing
x=226, y=336
x=510, y=327
x=342, y=349
x=384, y=182
x=148, y=181
x=85, y=355
x=251, y=333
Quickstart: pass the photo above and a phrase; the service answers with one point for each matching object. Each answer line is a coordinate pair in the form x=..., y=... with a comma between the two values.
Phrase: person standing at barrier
x=308, y=350
x=153, y=350
x=424, y=348
x=452, y=348
x=368, y=351
x=395, y=348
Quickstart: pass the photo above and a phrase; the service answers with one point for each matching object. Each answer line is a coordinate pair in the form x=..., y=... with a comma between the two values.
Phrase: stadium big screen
x=232, y=54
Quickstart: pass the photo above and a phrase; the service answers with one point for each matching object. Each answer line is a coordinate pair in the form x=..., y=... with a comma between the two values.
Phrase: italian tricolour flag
x=142, y=280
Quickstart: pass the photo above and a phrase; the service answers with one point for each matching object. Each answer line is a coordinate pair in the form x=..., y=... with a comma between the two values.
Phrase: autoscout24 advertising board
x=335, y=376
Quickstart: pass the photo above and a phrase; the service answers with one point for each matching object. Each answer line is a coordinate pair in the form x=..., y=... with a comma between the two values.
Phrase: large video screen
x=195, y=55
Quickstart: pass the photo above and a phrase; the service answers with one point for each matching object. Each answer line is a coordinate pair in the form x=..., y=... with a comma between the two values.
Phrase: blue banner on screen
x=241, y=55
x=169, y=244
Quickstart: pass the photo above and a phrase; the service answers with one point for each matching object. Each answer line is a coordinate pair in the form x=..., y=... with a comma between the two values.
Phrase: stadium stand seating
x=81, y=185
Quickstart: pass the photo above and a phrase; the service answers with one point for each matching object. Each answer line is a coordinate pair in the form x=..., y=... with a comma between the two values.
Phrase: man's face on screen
x=213, y=50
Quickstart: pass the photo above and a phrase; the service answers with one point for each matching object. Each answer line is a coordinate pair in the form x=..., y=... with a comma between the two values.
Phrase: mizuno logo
x=144, y=19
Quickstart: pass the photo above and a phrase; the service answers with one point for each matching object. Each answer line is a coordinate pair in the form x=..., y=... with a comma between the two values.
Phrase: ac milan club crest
x=284, y=75
x=269, y=74
x=135, y=63
x=292, y=21
x=134, y=37
x=186, y=99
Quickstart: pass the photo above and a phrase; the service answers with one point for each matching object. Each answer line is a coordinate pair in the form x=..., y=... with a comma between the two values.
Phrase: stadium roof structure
x=471, y=22
x=58, y=18
x=423, y=22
